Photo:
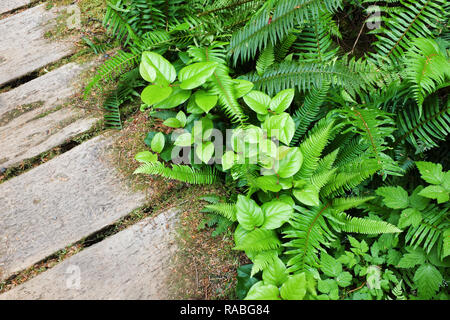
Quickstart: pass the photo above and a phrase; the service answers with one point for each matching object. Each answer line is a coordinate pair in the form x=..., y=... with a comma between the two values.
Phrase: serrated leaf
x=394, y=197
x=412, y=258
x=430, y=172
x=155, y=93
x=435, y=192
x=158, y=142
x=294, y=288
x=344, y=279
x=194, y=75
x=330, y=266
x=276, y=213
x=282, y=100
x=410, y=216
x=428, y=279
x=257, y=101
x=248, y=213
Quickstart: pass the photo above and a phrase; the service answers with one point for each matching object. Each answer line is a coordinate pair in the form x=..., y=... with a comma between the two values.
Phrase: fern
x=182, y=173
x=228, y=210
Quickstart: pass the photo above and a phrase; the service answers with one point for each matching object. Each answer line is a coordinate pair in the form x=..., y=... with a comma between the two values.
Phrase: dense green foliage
x=338, y=156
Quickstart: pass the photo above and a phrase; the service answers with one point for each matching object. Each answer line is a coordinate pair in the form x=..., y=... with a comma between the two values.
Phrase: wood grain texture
x=23, y=46
x=26, y=133
x=132, y=264
x=60, y=202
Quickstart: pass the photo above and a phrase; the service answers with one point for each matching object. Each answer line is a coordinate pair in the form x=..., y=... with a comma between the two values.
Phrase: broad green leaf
x=184, y=140
x=181, y=116
x=410, y=216
x=373, y=277
x=275, y=273
x=205, y=100
x=158, y=142
x=172, y=122
x=268, y=183
x=282, y=100
x=276, y=213
x=146, y=157
x=259, y=240
x=202, y=128
x=177, y=97
x=155, y=93
x=290, y=163
x=435, y=192
x=394, y=197
x=261, y=291
x=205, y=151
x=416, y=201
x=196, y=74
x=248, y=213
x=294, y=288
x=147, y=71
x=327, y=286
x=165, y=71
x=344, y=279
x=412, y=258
x=242, y=87
x=308, y=195
x=281, y=126
x=330, y=266
x=446, y=243
x=428, y=279
x=192, y=106
x=228, y=159
x=257, y=101
x=431, y=172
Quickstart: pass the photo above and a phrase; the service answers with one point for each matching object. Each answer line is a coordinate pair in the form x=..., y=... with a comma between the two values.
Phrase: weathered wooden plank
x=60, y=202
x=33, y=119
x=23, y=46
x=133, y=264
x=9, y=5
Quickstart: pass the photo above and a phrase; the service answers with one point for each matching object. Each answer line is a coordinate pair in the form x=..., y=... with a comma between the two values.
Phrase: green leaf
x=196, y=74
x=248, y=213
x=281, y=126
x=258, y=240
x=257, y=101
x=155, y=93
x=165, y=71
x=416, y=201
x=328, y=286
x=330, y=266
x=428, y=279
x=435, y=192
x=289, y=165
x=294, y=288
x=394, y=197
x=446, y=243
x=412, y=258
x=184, y=140
x=373, y=277
x=282, y=100
x=244, y=281
x=147, y=71
x=205, y=151
x=261, y=291
x=228, y=160
x=275, y=273
x=242, y=87
x=268, y=183
x=172, y=122
x=431, y=172
x=344, y=279
x=205, y=100
x=276, y=213
x=158, y=142
x=308, y=195
x=177, y=97
x=182, y=118
x=146, y=157
x=410, y=216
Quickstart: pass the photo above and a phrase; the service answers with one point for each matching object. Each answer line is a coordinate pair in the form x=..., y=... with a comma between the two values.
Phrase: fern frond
x=262, y=260
x=342, y=204
x=182, y=173
x=228, y=210
x=265, y=60
x=360, y=225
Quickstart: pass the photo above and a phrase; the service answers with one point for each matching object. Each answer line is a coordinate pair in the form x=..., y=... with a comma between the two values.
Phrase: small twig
x=356, y=289
x=359, y=34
